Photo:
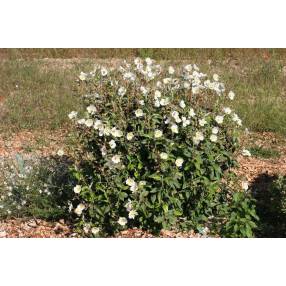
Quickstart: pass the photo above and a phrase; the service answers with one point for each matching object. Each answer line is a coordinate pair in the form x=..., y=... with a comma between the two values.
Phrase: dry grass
x=37, y=93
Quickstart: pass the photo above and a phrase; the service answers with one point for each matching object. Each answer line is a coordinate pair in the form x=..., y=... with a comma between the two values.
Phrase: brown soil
x=14, y=228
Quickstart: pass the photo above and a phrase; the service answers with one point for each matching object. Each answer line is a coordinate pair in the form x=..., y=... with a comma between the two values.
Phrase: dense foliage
x=156, y=148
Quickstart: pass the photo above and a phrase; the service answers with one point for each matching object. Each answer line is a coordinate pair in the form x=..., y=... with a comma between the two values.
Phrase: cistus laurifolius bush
x=156, y=145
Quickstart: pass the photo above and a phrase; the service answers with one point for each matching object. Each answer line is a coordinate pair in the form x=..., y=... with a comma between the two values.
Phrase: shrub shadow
x=272, y=218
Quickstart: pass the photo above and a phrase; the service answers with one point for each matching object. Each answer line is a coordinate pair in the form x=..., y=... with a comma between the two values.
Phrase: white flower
x=246, y=153
x=116, y=159
x=77, y=189
x=167, y=120
x=150, y=75
x=195, y=89
x=129, y=136
x=219, y=119
x=158, y=133
x=236, y=119
x=116, y=132
x=129, y=76
x=188, y=68
x=137, y=61
x=89, y=122
x=91, y=109
x=244, y=185
x=213, y=138
x=72, y=115
x=70, y=206
x=215, y=130
x=103, y=71
x=164, y=101
x=122, y=221
x=202, y=122
x=157, y=94
x=81, y=121
x=103, y=151
x=121, y=91
x=141, y=102
x=199, y=136
x=134, y=188
x=82, y=76
x=231, y=95
x=143, y=90
x=112, y=144
x=179, y=162
x=186, y=121
x=95, y=230
x=139, y=113
x=128, y=206
x=157, y=103
x=106, y=130
x=132, y=214
x=192, y=112
x=167, y=80
x=164, y=156
x=97, y=124
x=60, y=152
x=148, y=61
x=130, y=182
x=186, y=85
x=227, y=110
x=171, y=70
x=175, y=114
x=79, y=209
x=182, y=104
x=159, y=84
x=174, y=128
x=216, y=77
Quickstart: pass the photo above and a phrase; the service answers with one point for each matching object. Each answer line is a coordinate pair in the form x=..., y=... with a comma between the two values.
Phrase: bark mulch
x=35, y=228
x=250, y=168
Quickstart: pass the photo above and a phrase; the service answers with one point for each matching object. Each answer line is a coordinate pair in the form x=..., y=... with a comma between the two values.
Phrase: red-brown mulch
x=138, y=233
x=17, y=228
x=250, y=168
x=36, y=228
x=27, y=142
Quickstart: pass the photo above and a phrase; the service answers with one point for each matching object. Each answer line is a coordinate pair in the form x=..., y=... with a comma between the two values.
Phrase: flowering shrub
x=156, y=147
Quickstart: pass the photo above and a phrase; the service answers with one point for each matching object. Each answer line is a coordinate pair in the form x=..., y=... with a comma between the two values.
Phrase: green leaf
x=165, y=208
x=122, y=196
x=155, y=177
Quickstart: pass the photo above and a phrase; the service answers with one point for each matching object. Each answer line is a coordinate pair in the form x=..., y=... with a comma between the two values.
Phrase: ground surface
x=44, y=144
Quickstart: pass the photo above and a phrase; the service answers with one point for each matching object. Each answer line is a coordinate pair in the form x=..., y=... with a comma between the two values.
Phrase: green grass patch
x=264, y=152
x=36, y=97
